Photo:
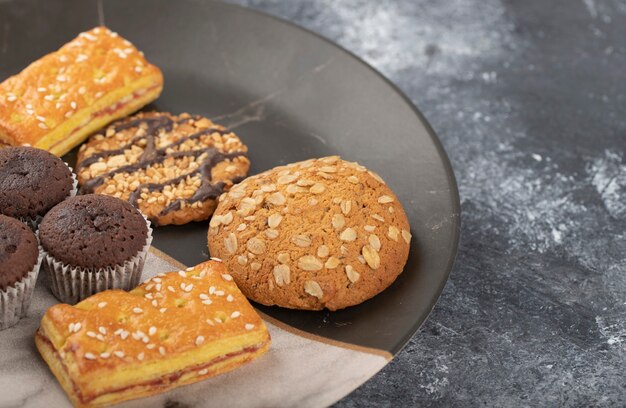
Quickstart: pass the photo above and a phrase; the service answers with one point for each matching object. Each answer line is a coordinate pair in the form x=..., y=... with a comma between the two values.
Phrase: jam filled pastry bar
x=58, y=100
x=176, y=328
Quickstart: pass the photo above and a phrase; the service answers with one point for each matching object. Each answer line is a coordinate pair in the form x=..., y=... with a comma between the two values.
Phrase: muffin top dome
x=18, y=251
x=32, y=181
x=93, y=231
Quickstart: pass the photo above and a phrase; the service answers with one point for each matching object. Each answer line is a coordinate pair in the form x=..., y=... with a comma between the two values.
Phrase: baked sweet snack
x=175, y=329
x=92, y=243
x=58, y=100
x=32, y=181
x=172, y=168
x=322, y=233
x=19, y=267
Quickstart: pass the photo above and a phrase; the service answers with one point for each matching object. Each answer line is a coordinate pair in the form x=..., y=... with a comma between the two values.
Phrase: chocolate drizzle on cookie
x=152, y=155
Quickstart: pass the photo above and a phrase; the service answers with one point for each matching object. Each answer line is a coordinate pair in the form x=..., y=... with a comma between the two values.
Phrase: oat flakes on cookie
x=172, y=168
x=323, y=233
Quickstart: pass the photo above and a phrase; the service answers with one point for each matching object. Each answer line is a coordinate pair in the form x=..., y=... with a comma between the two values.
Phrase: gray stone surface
x=529, y=100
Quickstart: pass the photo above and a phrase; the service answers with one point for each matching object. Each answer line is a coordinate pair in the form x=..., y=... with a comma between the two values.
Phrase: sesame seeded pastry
x=174, y=329
x=323, y=233
x=172, y=168
x=58, y=100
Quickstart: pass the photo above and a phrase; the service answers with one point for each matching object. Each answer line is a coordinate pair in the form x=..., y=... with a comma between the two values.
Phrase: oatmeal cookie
x=323, y=233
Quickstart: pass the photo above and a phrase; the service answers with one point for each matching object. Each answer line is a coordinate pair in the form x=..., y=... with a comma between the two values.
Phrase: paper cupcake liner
x=14, y=301
x=71, y=284
x=33, y=223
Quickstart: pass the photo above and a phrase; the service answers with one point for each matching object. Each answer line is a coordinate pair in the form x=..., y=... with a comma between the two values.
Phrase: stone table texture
x=529, y=100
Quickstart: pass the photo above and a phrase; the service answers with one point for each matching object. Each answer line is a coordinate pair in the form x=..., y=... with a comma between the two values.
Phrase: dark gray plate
x=291, y=95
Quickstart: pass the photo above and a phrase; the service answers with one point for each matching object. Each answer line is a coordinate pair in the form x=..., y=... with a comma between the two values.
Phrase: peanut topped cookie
x=323, y=233
x=172, y=168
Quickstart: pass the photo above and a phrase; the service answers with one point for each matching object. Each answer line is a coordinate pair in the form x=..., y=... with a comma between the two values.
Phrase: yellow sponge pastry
x=58, y=100
x=174, y=329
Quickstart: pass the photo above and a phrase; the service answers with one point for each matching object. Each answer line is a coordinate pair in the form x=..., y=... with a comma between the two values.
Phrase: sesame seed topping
x=69, y=114
x=91, y=334
x=152, y=331
x=157, y=280
x=211, y=290
x=158, y=287
x=82, y=90
x=124, y=335
x=90, y=356
x=203, y=371
x=171, y=289
x=207, y=302
x=249, y=326
x=81, y=58
x=11, y=98
x=88, y=36
x=41, y=89
x=229, y=298
x=155, y=303
x=140, y=356
x=219, y=293
x=137, y=310
x=227, y=277
x=182, y=273
x=188, y=288
x=102, y=330
x=119, y=354
x=105, y=355
x=163, y=309
x=235, y=314
x=210, y=322
x=162, y=350
x=73, y=105
x=102, y=304
x=199, y=340
x=48, y=97
x=75, y=327
x=150, y=346
x=216, y=259
x=40, y=118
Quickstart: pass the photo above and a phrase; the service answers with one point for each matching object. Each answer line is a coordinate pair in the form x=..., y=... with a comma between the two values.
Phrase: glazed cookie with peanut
x=322, y=233
x=172, y=168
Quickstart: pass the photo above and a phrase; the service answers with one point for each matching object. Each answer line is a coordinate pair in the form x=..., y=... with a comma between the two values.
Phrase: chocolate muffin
x=19, y=267
x=32, y=181
x=93, y=243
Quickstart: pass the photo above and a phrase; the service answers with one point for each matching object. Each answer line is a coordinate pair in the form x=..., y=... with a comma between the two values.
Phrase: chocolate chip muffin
x=93, y=243
x=32, y=181
x=172, y=168
x=322, y=233
x=19, y=267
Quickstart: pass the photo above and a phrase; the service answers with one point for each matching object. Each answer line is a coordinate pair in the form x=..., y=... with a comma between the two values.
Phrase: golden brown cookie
x=172, y=168
x=323, y=233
